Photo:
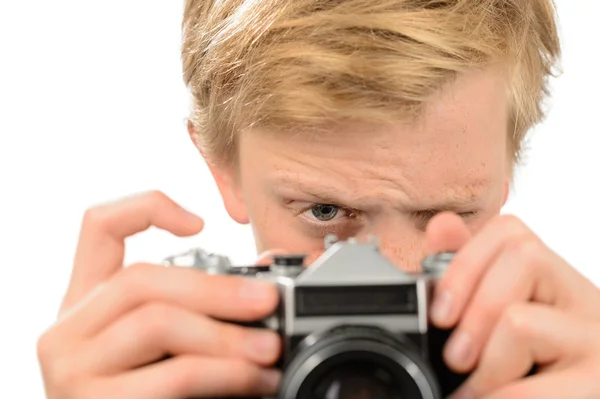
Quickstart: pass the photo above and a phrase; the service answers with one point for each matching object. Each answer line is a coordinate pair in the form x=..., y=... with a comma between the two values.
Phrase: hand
x=515, y=304
x=116, y=323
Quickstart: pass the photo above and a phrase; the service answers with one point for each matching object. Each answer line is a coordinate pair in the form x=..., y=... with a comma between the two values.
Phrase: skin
x=514, y=302
x=392, y=190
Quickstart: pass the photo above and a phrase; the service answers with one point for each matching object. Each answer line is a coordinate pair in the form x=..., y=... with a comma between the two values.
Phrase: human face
x=360, y=179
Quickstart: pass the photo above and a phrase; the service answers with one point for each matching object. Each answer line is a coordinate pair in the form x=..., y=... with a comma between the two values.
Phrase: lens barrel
x=356, y=362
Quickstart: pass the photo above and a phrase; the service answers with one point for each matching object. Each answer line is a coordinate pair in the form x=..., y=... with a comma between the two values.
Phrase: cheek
x=273, y=228
x=401, y=242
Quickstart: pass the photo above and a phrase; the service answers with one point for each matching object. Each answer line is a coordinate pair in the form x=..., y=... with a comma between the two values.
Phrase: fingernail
x=269, y=380
x=262, y=345
x=459, y=349
x=256, y=290
x=441, y=307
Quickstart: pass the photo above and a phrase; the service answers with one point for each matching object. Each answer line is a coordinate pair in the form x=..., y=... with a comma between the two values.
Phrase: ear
x=228, y=183
x=231, y=192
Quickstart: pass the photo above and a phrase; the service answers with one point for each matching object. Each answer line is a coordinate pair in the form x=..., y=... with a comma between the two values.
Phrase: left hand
x=515, y=304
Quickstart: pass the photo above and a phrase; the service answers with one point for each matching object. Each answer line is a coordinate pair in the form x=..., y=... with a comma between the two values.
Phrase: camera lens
x=358, y=363
x=360, y=379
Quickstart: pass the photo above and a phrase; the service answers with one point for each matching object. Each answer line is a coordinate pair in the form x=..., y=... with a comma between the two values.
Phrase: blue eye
x=324, y=212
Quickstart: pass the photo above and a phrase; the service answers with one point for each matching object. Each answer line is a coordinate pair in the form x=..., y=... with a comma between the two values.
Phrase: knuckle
x=527, y=249
x=62, y=375
x=132, y=278
x=136, y=271
x=489, y=307
x=511, y=224
x=184, y=379
x=156, y=195
x=231, y=338
x=59, y=371
x=44, y=347
x=156, y=198
x=517, y=320
x=131, y=282
x=509, y=220
x=152, y=321
x=95, y=217
x=159, y=312
x=245, y=376
x=48, y=347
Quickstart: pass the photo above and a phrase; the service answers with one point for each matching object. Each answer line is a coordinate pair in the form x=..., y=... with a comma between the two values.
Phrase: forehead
x=458, y=146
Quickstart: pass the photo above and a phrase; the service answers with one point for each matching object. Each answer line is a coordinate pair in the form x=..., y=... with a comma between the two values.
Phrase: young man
x=400, y=118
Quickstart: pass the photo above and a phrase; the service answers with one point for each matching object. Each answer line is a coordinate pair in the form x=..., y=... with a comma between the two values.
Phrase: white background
x=92, y=108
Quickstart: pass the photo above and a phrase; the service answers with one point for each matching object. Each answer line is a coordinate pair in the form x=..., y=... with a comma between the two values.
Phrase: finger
x=527, y=335
x=156, y=330
x=220, y=296
x=572, y=384
x=266, y=258
x=456, y=288
x=101, y=247
x=446, y=232
x=197, y=377
x=515, y=276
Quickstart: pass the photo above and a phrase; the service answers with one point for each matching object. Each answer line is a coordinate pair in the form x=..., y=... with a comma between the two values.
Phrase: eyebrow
x=335, y=196
x=327, y=195
x=450, y=205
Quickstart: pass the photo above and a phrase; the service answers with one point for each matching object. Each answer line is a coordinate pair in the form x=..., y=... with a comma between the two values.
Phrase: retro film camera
x=353, y=325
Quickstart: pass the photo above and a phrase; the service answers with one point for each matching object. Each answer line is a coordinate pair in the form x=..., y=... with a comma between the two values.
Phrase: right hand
x=116, y=323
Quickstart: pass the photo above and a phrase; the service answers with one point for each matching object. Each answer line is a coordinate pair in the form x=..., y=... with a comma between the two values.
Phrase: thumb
x=446, y=232
x=265, y=258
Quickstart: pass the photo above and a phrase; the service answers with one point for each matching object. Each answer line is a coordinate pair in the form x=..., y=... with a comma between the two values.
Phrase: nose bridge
x=400, y=242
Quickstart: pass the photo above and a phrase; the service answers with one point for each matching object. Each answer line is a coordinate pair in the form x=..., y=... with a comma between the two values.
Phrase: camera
x=353, y=325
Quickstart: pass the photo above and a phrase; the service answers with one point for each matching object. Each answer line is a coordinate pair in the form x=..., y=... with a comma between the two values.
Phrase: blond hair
x=298, y=64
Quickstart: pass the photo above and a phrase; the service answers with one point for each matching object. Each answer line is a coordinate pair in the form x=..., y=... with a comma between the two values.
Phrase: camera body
x=351, y=322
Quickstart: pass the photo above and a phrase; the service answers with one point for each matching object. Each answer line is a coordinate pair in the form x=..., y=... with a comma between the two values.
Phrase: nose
x=405, y=247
